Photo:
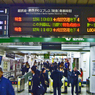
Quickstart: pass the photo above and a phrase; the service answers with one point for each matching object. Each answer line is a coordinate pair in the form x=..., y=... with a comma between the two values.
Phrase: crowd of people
x=57, y=70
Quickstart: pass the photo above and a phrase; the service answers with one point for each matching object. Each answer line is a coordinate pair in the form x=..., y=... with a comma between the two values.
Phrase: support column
x=25, y=58
x=72, y=55
x=92, y=69
x=29, y=61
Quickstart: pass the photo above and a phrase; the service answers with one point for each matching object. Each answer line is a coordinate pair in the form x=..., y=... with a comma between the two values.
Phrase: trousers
x=59, y=90
x=72, y=88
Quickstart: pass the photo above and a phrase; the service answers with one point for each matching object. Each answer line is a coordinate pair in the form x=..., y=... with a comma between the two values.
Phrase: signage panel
x=49, y=21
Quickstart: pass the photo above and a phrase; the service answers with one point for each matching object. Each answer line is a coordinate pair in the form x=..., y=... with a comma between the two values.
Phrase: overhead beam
x=8, y=1
x=19, y=1
x=50, y=1
x=91, y=2
x=82, y=1
x=71, y=1
x=2, y=2
x=61, y=1
x=39, y=1
x=29, y=1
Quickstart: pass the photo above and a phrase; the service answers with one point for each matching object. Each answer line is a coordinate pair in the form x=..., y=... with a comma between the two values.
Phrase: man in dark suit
x=23, y=68
x=37, y=72
x=44, y=79
x=57, y=83
x=35, y=81
x=74, y=80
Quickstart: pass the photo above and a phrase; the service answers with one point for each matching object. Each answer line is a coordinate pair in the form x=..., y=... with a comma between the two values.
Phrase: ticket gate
x=20, y=84
x=29, y=84
x=79, y=86
x=88, y=85
x=63, y=87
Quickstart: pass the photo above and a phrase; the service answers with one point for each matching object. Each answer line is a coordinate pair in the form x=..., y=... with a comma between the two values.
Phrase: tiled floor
x=83, y=92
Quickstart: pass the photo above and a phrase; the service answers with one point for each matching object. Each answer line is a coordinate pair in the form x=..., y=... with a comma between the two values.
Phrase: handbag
x=40, y=89
x=46, y=82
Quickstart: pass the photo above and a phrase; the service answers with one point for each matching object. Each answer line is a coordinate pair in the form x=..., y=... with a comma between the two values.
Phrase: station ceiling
x=86, y=2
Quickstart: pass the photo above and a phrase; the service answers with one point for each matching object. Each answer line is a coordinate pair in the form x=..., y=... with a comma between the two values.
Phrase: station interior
x=77, y=53
x=35, y=32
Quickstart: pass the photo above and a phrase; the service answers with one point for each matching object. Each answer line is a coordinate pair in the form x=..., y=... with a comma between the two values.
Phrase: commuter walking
x=69, y=76
x=74, y=80
x=81, y=75
x=27, y=66
x=57, y=83
x=5, y=85
x=37, y=72
x=44, y=79
x=23, y=68
x=35, y=81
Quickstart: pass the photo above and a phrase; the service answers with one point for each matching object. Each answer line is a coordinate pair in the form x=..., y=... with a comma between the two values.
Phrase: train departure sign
x=51, y=21
x=45, y=21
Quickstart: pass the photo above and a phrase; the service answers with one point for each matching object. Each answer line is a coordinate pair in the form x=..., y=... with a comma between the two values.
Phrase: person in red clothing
x=81, y=75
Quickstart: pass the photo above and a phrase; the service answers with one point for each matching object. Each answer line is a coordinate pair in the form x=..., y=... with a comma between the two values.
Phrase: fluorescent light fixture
x=38, y=52
x=71, y=47
x=26, y=47
x=69, y=50
x=1, y=22
x=31, y=47
x=0, y=27
x=75, y=45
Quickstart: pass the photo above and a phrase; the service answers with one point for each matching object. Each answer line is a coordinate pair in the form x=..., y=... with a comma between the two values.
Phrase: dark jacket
x=23, y=69
x=74, y=79
x=69, y=76
x=6, y=87
x=44, y=78
x=65, y=73
x=38, y=73
x=35, y=84
x=51, y=68
x=27, y=67
x=56, y=76
x=45, y=64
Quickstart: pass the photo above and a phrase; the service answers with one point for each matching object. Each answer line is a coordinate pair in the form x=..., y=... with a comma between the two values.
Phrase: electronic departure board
x=4, y=12
x=45, y=21
x=90, y=21
x=52, y=21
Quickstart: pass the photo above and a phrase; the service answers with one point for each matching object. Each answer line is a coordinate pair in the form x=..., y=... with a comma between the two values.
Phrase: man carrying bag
x=44, y=79
x=37, y=89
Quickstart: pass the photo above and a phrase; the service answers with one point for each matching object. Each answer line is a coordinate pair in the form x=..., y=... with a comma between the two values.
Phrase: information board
x=90, y=20
x=45, y=21
x=52, y=21
x=4, y=12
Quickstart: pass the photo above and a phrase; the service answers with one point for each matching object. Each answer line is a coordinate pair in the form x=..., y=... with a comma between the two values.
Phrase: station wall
x=84, y=64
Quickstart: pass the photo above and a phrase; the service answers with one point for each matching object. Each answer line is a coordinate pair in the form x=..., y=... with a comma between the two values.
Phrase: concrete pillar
x=29, y=61
x=25, y=58
x=92, y=69
x=72, y=55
